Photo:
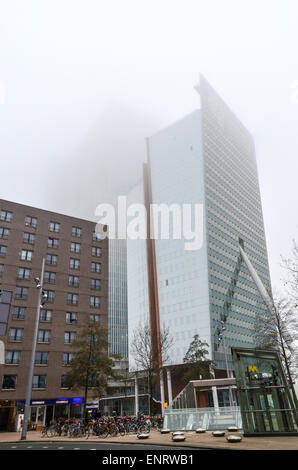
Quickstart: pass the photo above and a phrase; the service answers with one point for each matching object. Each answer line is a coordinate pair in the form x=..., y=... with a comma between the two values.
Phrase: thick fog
x=83, y=83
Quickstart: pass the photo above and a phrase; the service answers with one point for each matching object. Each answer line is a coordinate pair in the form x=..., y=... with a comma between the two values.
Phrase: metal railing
x=190, y=419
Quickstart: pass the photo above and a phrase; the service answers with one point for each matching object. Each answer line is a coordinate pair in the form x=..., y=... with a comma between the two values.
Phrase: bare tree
x=91, y=366
x=141, y=350
x=291, y=267
x=278, y=330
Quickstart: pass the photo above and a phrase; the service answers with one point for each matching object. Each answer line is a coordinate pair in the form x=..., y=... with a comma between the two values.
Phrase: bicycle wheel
x=51, y=431
x=143, y=428
x=114, y=431
x=71, y=431
x=103, y=433
x=133, y=429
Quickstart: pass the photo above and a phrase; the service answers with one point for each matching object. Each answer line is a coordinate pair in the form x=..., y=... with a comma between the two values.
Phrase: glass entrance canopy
x=266, y=403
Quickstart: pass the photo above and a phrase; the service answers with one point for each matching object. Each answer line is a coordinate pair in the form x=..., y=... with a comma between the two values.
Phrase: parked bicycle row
x=101, y=427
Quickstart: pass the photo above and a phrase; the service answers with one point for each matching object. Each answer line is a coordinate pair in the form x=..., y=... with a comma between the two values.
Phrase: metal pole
x=136, y=396
x=228, y=371
x=170, y=395
x=149, y=396
x=215, y=399
x=162, y=391
x=226, y=359
x=30, y=376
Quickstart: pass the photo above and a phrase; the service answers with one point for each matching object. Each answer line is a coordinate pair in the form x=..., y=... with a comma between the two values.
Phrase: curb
x=190, y=446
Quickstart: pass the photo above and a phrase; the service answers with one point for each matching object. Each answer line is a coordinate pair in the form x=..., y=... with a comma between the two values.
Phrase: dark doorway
x=4, y=417
x=49, y=414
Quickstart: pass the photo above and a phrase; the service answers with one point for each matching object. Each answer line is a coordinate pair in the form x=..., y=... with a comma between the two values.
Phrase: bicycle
x=110, y=429
x=44, y=431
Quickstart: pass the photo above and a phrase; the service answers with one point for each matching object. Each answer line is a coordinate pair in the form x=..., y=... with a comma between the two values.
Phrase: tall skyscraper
x=206, y=158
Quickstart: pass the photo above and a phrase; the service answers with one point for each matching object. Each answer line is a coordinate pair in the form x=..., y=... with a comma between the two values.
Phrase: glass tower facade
x=206, y=158
x=117, y=318
x=233, y=210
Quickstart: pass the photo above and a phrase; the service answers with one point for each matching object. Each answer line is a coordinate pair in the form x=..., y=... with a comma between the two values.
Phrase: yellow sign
x=165, y=405
x=252, y=369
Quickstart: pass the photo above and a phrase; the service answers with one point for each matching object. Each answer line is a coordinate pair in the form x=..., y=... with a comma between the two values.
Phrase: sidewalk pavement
x=196, y=441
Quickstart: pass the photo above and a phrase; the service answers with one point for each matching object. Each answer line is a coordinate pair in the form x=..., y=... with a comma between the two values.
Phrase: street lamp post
x=39, y=285
x=221, y=337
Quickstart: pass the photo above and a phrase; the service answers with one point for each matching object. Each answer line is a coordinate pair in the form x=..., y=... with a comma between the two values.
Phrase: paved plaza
x=193, y=440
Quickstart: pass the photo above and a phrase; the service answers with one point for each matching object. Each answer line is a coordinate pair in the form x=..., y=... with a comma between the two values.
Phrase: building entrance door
x=49, y=414
x=270, y=412
x=4, y=417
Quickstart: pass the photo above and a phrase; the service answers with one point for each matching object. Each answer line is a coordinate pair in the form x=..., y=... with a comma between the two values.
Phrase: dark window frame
x=30, y=221
x=5, y=376
x=7, y=217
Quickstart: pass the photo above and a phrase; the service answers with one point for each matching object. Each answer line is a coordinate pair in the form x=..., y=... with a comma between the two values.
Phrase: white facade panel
x=177, y=178
x=137, y=281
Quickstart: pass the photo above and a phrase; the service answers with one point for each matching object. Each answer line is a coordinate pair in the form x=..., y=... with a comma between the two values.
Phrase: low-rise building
x=76, y=285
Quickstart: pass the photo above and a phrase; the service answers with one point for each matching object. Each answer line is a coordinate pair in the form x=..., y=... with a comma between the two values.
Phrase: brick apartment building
x=76, y=283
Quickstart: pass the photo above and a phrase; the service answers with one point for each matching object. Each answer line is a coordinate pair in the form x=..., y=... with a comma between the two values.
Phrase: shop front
x=123, y=405
x=45, y=412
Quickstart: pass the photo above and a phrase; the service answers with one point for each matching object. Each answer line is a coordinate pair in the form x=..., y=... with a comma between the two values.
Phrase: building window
x=96, y=237
x=50, y=277
x=54, y=227
x=71, y=317
x=4, y=232
x=6, y=216
x=21, y=293
x=29, y=238
x=2, y=250
x=24, y=273
x=1, y=269
x=53, y=243
x=9, y=382
x=26, y=255
x=41, y=358
x=51, y=259
x=94, y=318
x=44, y=336
x=75, y=247
x=15, y=334
x=96, y=267
x=64, y=381
x=69, y=337
x=72, y=299
x=12, y=357
x=46, y=315
x=73, y=281
x=94, y=301
x=96, y=251
x=18, y=313
x=39, y=381
x=95, y=284
x=76, y=232
x=31, y=221
x=67, y=358
x=92, y=381
x=50, y=295
x=74, y=263
x=93, y=339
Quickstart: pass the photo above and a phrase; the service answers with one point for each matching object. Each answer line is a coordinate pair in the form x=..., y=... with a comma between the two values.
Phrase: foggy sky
x=83, y=83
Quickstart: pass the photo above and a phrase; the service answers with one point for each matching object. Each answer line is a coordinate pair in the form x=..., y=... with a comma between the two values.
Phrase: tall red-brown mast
x=151, y=267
